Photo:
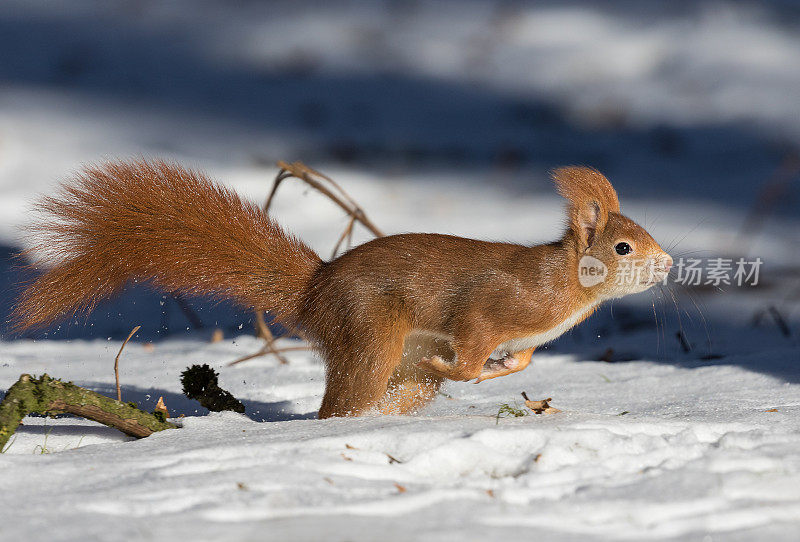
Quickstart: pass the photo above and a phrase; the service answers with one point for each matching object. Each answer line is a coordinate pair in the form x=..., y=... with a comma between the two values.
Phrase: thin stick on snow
x=116, y=361
x=269, y=349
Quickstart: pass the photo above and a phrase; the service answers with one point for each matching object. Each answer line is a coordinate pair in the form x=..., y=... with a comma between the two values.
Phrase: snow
x=690, y=108
x=686, y=458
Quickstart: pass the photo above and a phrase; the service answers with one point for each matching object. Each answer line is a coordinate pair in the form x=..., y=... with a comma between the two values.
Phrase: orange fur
x=376, y=313
x=591, y=198
x=157, y=222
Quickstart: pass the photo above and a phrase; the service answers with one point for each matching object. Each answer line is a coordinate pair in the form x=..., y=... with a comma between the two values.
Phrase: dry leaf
x=350, y=447
x=392, y=459
x=346, y=458
x=490, y=493
x=328, y=480
x=217, y=336
x=771, y=410
x=148, y=347
x=540, y=407
x=161, y=407
x=400, y=488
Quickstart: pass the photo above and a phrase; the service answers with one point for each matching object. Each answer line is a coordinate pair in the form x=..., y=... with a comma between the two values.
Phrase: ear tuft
x=591, y=197
x=579, y=184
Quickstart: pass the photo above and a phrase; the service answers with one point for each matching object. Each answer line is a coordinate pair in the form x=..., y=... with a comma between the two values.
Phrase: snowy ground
x=690, y=108
x=642, y=450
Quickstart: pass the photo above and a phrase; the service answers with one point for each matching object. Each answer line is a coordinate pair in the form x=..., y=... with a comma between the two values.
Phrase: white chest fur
x=531, y=341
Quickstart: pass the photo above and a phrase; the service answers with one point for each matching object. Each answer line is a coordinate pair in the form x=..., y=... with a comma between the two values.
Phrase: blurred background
x=440, y=116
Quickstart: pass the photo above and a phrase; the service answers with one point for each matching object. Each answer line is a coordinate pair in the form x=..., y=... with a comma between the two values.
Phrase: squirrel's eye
x=623, y=248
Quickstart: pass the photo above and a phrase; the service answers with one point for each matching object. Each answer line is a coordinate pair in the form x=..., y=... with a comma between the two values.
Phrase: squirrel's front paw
x=496, y=367
x=505, y=366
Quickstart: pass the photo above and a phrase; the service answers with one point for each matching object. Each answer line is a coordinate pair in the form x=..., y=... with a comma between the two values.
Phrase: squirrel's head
x=615, y=255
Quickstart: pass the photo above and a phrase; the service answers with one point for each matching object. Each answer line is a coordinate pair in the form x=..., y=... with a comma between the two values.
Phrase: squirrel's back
x=158, y=222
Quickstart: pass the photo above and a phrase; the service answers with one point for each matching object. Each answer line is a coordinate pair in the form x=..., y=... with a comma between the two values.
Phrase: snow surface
x=435, y=116
x=642, y=450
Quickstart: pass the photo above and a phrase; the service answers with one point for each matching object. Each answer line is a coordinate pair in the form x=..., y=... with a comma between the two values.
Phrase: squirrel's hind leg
x=410, y=387
x=409, y=391
x=357, y=375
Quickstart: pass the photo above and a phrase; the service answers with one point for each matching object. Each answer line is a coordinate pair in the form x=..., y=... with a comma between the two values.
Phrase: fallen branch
x=50, y=397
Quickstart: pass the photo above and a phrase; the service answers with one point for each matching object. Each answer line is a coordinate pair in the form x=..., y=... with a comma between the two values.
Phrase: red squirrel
x=392, y=318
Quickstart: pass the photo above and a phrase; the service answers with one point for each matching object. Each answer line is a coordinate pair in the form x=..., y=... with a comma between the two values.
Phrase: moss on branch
x=49, y=397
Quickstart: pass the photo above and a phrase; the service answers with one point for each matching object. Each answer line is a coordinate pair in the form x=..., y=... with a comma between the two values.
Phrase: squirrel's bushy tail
x=157, y=222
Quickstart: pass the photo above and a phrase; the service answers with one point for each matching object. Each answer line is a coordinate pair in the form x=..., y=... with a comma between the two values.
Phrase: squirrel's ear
x=590, y=198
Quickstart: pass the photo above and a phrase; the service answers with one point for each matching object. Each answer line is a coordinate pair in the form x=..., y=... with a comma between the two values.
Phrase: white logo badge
x=591, y=271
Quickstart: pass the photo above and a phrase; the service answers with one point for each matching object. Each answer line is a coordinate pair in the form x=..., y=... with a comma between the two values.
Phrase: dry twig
x=116, y=361
x=330, y=189
x=269, y=348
